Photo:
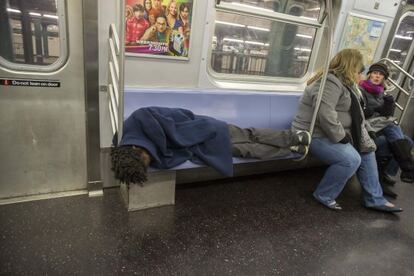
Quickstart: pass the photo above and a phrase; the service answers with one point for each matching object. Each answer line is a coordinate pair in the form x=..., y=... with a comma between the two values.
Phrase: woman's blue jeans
x=393, y=133
x=344, y=161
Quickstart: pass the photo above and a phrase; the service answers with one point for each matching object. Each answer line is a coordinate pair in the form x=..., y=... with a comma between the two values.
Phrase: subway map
x=362, y=34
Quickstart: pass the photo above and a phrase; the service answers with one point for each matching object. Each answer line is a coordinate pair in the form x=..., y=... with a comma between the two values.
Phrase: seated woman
x=379, y=107
x=166, y=137
x=340, y=138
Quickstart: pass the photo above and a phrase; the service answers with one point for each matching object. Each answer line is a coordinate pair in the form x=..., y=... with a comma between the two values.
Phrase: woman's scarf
x=357, y=120
x=372, y=88
x=362, y=142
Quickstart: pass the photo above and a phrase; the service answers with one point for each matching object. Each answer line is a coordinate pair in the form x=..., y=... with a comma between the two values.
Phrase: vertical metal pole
x=38, y=41
x=45, y=39
x=329, y=24
x=6, y=45
x=91, y=58
x=121, y=69
x=26, y=34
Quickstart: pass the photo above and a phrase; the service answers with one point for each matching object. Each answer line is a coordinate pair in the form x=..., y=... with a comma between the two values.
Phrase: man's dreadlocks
x=128, y=164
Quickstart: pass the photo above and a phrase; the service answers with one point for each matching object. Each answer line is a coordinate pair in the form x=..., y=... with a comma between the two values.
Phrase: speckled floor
x=260, y=225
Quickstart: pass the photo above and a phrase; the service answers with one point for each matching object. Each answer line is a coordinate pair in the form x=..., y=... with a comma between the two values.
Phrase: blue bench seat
x=242, y=108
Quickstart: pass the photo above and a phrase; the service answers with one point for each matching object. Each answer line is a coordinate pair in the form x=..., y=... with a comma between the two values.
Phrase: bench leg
x=158, y=191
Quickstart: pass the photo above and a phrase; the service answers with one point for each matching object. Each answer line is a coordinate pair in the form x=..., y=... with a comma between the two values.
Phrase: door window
x=402, y=44
x=33, y=35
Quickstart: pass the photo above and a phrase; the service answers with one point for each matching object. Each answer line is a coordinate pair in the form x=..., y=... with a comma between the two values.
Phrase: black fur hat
x=379, y=67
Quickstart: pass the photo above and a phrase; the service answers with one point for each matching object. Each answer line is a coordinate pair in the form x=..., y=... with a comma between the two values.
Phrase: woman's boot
x=407, y=176
x=385, y=185
x=402, y=153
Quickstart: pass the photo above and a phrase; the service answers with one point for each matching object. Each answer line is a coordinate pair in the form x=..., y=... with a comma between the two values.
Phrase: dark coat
x=377, y=104
x=378, y=109
x=174, y=135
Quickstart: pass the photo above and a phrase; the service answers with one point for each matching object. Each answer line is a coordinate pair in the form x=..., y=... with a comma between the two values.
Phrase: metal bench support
x=158, y=191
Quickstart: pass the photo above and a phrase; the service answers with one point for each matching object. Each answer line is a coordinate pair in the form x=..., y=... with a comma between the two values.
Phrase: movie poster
x=158, y=27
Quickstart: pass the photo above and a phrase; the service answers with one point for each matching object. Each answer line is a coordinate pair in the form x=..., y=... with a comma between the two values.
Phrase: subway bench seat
x=242, y=108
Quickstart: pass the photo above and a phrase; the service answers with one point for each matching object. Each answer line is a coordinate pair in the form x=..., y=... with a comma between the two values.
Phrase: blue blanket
x=174, y=135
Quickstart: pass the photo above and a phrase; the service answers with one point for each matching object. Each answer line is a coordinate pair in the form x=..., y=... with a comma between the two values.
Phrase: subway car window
x=402, y=43
x=245, y=45
x=31, y=33
x=310, y=8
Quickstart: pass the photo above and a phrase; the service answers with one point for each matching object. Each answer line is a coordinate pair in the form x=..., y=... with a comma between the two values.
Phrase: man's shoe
x=303, y=137
x=386, y=209
x=301, y=149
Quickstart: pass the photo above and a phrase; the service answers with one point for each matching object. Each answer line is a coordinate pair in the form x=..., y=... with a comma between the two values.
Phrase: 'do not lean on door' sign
x=31, y=83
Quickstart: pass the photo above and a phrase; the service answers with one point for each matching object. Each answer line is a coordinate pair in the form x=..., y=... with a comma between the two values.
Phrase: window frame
x=63, y=47
x=273, y=16
x=405, y=65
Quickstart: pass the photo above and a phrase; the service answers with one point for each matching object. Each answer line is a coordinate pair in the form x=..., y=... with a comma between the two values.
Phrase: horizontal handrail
x=113, y=56
x=113, y=105
x=409, y=94
x=268, y=14
x=398, y=86
x=398, y=67
x=111, y=115
x=113, y=33
x=114, y=82
x=114, y=77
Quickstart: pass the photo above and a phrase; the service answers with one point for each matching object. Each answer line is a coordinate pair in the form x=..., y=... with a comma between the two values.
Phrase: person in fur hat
x=379, y=110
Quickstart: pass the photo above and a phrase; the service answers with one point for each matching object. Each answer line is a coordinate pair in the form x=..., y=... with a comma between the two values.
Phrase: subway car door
x=408, y=83
x=401, y=50
x=42, y=99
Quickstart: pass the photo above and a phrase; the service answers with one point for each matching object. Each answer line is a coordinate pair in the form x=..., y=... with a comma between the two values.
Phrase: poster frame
x=368, y=18
x=159, y=56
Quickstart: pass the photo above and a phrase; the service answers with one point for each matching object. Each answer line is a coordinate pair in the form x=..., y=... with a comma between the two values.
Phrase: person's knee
x=352, y=160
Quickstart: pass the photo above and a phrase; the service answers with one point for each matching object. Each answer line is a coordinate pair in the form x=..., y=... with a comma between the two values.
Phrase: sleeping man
x=164, y=137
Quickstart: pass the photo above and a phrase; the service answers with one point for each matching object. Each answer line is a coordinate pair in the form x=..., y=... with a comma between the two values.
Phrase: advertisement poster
x=158, y=28
x=363, y=34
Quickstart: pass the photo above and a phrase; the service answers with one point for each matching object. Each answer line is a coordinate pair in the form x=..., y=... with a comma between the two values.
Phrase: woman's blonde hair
x=167, y=11
x=345, y=65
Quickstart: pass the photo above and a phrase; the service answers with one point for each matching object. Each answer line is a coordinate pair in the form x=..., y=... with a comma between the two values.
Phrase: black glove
x=388, y=98
x=346, y=139
x=387, y=109
x=372, y=135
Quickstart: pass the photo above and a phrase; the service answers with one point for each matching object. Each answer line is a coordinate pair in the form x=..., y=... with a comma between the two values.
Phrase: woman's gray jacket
x=334, y=117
